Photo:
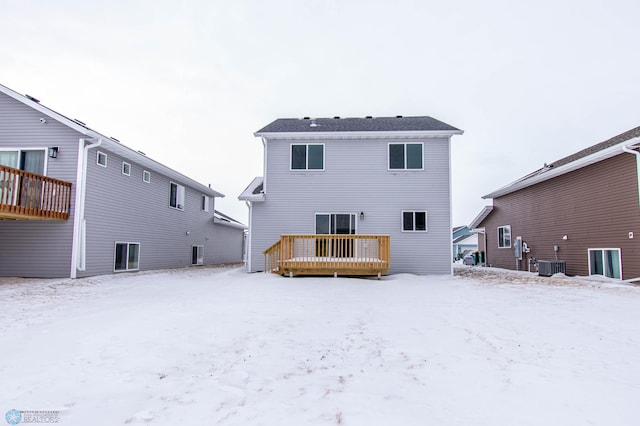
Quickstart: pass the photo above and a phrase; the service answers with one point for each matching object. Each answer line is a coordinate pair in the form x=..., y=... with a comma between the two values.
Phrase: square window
x=405, y=156
x=126, y=168
x=606, y=262
x=176, y=196
x=126, y=257
x=414, y=221
x=307, y=157
x=504, y=236
x=101, y=159
x=146, y=176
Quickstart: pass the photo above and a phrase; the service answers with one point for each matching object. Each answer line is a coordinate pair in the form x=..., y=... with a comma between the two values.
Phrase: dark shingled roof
x=368, y=124
x=630, y=134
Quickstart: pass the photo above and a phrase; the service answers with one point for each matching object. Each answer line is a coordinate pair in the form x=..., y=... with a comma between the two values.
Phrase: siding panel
x=34, y=248
x=356, y=179
x=596, y=207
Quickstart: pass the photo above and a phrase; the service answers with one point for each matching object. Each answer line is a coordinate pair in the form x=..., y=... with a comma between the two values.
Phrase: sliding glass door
x=335, y=224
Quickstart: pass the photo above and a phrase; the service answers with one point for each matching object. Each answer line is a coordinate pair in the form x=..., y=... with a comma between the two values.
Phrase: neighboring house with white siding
x=75, y=203
x=382, y=176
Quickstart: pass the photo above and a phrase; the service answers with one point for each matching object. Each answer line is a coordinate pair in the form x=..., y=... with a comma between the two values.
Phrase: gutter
x=79, y=248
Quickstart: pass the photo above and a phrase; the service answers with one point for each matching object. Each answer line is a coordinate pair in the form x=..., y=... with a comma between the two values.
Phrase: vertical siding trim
x=250, y=237
x=450, y=203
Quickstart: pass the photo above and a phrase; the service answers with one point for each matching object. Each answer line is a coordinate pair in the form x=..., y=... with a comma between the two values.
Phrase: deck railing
x=329, y=255
x=25, y=195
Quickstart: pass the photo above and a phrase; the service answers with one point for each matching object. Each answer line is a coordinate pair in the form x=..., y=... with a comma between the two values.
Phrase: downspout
x=249, y=235
x=637, y=154
x=79, y=251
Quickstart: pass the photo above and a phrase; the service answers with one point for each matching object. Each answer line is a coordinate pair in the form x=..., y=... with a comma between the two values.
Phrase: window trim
x=199, y=259
x=205, y=201
x=353, y=221
x=498, y=235
x=306, y=169
x=405, y=168
x=148, y=174
x=128, y=243
x=426, y=221
x=106, y=157
x=124, y=163
x=178, y=206
x=604, y=250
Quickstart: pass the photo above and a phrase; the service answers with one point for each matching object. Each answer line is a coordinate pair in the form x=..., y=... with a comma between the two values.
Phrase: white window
x=307, y=157
x=197, y=255
x=414, y=221
x=101, y=159
x=405, y=156
x=607, y=262
x=126, y=257
x=146, y=176
x=126, y=168
x=504, y=236
x=204, y=203
x=176, y=196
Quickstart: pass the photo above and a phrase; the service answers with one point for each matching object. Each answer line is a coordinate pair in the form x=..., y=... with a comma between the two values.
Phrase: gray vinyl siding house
x=355, y=180
x=583, y=209
x=120, y=217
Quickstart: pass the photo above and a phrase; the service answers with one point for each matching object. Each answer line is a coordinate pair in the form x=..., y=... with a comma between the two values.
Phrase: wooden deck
x=345, y=255
x=28, y=196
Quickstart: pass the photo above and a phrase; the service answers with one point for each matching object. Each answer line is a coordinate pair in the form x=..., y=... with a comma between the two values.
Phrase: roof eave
x=558, y=171
x=358, y=134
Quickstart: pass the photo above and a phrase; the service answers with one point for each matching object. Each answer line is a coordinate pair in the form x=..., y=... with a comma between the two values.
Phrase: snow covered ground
x=209, y=346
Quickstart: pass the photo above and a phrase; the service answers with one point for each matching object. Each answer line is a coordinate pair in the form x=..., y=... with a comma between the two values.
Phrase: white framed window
x=204, y=203
x=146, y=176
x=197, y=255
x=126, y=168
x=307, y=157
x=101, y=159
x=176, y=196
x=126, y=256
x=406, y=156
x=414, y=221
x=32, y=160
x=504, y=236
x=606, y=262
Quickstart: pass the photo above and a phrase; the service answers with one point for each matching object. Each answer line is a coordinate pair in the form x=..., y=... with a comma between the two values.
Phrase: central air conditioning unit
x=546, y=268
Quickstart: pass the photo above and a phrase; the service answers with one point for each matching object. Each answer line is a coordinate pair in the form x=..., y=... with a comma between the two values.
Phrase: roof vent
x=398, y=116
x=337, y=117
x=79, y=122
x=32, y=98
x=305, y=118
x=369, y=116
x=313, y=123
x=114, y=139
x=142, y=153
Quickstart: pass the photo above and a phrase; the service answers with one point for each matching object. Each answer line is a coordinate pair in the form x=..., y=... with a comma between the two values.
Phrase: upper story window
x=126, y=168
x=146, y=176
x=176, y=196
x=101, y=159
x=504, y=236
x=414, y=221
x=204, y=203
x=307, y=157
x=29, y=160
x=405, y=156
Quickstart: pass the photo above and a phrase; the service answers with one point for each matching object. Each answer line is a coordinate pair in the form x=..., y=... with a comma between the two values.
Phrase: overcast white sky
x=188, y=82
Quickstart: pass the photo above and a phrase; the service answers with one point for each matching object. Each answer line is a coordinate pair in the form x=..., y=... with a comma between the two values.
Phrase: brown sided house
x=583, y=209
